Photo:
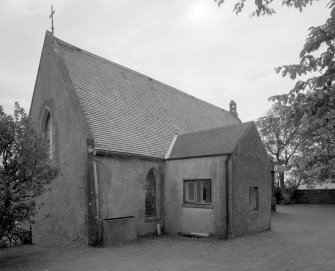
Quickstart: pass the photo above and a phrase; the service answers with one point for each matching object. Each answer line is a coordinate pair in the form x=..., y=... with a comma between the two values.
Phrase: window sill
x=152, y=218
x=197, y=205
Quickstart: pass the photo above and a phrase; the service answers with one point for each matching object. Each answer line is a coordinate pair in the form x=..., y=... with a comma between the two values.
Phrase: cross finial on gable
x=52, y=19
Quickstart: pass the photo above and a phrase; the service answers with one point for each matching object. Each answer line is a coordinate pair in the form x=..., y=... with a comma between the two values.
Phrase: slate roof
x=128, y=112
x=215, y=141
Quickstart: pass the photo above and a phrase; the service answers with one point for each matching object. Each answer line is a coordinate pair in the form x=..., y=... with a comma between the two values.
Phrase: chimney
x=232, y=107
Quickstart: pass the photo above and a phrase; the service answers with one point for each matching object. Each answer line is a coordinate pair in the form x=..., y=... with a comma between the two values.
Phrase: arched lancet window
x=150, y=195
x=48, y=133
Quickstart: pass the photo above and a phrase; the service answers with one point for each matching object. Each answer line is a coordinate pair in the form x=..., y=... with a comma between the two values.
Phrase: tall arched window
x=48, y=133
x=150, y=195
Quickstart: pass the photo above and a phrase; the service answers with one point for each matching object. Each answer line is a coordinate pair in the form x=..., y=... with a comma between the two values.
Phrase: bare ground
x=302, y=238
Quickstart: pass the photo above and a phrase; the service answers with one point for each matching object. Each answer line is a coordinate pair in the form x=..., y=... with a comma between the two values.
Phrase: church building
x=137, y=157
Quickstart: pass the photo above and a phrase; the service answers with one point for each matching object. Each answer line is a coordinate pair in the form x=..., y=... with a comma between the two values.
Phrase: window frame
x=196, y=202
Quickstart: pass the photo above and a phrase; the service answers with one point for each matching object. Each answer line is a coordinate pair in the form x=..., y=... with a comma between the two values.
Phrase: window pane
x=150, y=195
x=189, y=190
x=207, y=191
x=48, y=134
x=204, y=193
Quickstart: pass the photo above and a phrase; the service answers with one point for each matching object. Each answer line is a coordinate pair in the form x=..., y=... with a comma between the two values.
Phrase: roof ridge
x=136, y=72
x=218, y=128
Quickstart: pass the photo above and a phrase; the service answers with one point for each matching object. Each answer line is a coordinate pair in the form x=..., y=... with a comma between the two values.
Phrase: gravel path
x=302, y=239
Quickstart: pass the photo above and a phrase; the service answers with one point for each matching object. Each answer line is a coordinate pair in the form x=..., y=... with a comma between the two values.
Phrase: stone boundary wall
x=315, y=196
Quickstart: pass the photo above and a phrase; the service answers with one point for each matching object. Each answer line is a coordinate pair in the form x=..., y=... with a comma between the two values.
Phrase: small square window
x=198, y=191
x=253, y=197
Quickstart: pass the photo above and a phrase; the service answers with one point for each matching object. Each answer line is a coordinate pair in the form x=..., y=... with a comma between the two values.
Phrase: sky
x=192, y=45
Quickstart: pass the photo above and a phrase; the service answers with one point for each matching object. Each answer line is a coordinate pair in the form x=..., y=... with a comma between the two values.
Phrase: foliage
x=311, y=101
x=25, y=168
x=263, y=7
x=281, y=137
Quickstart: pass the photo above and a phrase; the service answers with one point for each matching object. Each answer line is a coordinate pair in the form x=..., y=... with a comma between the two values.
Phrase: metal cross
x=52, y=19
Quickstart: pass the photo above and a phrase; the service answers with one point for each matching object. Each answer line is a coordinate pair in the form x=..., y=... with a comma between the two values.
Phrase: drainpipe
x=228, y=199
x=95, y=175
x=99, y=236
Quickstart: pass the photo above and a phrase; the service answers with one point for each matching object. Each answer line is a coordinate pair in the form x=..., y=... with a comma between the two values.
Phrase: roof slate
x=128, y=112
x=215, y=141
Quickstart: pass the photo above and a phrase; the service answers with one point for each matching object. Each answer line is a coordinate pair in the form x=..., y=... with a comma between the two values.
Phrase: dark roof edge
x=140, y=74
x=217, y=128
x=97, y=151
x=199, y=156
x=125, y=155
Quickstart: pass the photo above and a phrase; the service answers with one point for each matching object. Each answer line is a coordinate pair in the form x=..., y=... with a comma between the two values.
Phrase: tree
x=25, y=168
x=310, y=101
x=281, y=137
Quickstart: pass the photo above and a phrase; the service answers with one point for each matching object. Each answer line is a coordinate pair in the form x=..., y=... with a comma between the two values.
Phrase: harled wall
x=250, y=167
x=61, y=212
x=186, y=218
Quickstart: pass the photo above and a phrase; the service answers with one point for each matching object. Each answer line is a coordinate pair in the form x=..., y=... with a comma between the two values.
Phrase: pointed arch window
x=150, y=195
x=48, y=131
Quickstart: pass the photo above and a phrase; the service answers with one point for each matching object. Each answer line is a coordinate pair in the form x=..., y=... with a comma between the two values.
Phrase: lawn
x=302, y=238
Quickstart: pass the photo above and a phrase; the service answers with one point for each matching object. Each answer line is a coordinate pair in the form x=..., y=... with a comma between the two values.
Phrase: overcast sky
x=191, y=45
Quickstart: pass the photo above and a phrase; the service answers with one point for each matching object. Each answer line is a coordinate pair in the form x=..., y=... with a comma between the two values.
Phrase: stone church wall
x=62, y=210
x=122, y=186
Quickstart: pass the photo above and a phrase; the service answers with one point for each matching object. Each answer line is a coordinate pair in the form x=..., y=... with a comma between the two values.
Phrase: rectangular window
x=253, y=197
x=198, y=191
